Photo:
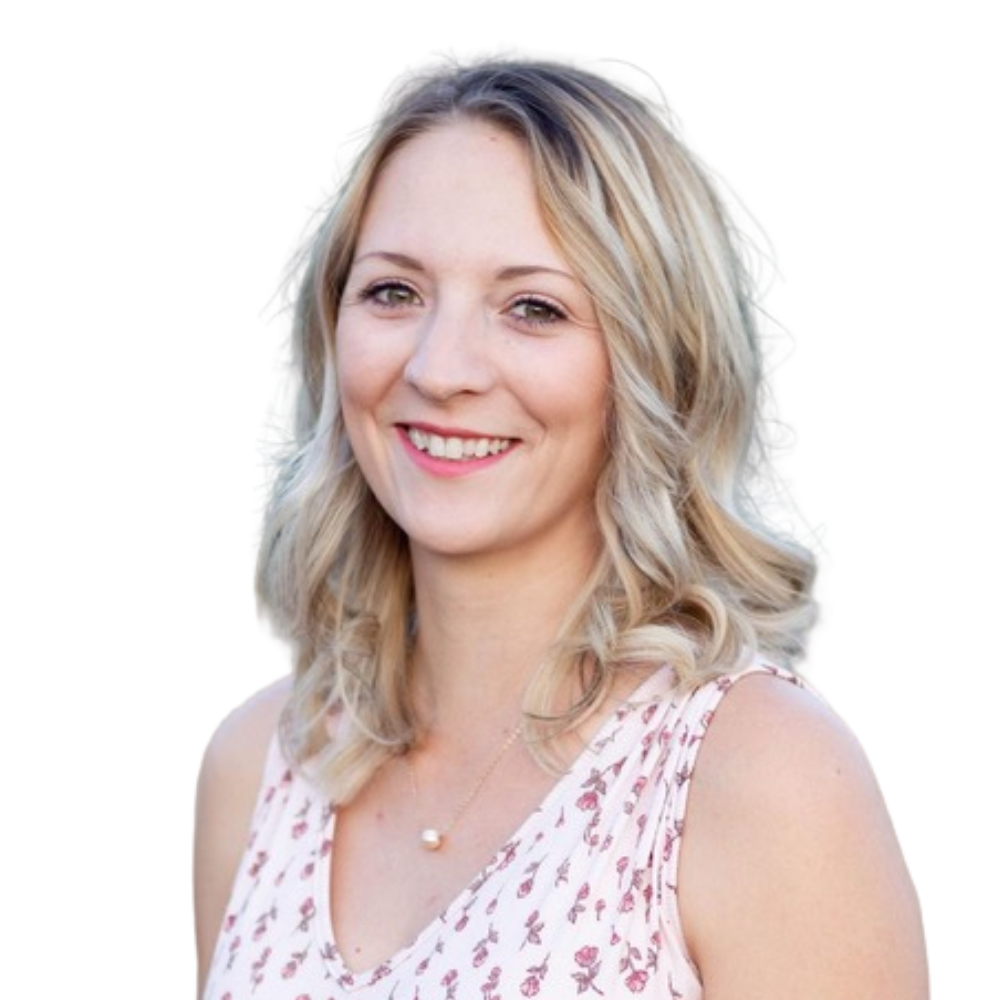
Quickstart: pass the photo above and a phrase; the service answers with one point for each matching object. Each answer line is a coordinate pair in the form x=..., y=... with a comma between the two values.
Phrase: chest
x=386, y=886
x=545, y=889
x=579, y=898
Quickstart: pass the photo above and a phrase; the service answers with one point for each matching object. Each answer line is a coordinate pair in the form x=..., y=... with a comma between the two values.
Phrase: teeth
x=456, y=449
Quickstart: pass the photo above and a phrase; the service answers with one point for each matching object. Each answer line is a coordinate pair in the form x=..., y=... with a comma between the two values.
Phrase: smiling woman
x=528, y=592
x=472, y=371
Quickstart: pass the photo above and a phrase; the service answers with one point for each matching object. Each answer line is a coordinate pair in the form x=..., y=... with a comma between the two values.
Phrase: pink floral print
x=580, y=902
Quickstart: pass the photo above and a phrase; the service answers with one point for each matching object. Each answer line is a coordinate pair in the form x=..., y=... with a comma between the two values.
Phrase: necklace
x=431, y=837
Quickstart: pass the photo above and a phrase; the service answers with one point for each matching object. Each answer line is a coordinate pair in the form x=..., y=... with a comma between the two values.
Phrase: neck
x=483, y=628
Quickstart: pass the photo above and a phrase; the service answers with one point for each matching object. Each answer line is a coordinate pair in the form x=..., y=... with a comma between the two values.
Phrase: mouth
x=454, y=448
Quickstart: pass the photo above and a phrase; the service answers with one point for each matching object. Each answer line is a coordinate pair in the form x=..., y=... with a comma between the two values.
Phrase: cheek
x=365, y=367
x=359, y=389
x=351, y=387
x=575, y=397
x=593, y=411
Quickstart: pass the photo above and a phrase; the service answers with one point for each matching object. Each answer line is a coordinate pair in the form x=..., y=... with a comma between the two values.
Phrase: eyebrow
x=510, y=273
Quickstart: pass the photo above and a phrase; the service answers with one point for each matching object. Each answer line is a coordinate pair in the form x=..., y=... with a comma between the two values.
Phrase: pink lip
x=455, y=432
x=443, y=467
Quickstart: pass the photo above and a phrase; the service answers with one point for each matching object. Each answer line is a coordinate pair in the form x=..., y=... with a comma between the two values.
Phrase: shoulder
x=775, y=744
x=791, y=877
x=230, y=777
x=238, y=747
x=234, y=759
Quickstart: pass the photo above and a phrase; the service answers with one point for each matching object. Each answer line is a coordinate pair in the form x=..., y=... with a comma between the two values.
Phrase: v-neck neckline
x=653, y=688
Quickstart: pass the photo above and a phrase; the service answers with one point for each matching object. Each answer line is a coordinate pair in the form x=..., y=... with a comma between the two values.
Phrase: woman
x=527, y=592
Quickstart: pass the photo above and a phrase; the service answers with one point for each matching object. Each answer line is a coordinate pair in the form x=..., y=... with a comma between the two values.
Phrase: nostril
x=447, y=372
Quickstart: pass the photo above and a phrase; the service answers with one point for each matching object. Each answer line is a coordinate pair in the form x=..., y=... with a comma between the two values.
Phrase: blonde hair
x=689, y=575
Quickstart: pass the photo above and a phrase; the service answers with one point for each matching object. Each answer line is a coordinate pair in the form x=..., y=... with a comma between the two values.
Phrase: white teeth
x=456, y=449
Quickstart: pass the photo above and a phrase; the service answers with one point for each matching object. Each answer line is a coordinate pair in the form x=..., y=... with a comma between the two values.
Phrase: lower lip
x=448, y=468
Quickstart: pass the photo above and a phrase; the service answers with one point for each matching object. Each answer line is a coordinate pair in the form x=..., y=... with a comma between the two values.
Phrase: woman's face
x=473, y=374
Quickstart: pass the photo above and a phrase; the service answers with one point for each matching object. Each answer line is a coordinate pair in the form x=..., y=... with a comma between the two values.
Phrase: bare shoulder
x=769, y=736
x=792, y=882
x=239, y=745
x=230, y=776
x=233, y=757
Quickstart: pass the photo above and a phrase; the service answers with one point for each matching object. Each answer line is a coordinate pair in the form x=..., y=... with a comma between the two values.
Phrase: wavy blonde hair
x=688, y=574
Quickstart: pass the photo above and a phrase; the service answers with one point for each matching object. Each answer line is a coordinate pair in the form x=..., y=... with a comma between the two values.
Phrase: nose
x=451, y=354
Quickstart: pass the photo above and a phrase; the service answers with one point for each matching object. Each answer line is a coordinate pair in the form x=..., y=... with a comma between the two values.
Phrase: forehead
x=466, y=186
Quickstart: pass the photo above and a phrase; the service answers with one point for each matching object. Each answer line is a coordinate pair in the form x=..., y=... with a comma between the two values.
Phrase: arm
x=227, y=792
x=792, y=884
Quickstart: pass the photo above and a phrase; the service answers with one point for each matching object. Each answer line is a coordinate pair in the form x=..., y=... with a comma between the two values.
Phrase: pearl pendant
x=431, y=839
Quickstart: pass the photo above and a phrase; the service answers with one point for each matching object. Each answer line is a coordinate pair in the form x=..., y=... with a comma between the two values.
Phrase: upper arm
x=792, y=883
x=227, y=792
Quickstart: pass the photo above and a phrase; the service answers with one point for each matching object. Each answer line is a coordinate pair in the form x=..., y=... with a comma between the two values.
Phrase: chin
x=453, y=545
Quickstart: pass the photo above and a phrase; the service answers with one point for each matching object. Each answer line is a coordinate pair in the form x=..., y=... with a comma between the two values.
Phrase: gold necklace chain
x=432, y=838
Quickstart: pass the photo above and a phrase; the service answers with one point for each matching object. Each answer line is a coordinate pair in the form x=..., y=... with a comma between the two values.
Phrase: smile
x=456, y=449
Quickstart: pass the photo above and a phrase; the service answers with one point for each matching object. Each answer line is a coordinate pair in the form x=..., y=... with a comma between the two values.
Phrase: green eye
x=390, y=294
x=537, y=311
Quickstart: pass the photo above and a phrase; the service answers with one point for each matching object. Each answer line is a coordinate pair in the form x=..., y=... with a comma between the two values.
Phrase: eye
x=534, y=310
x=390, y=294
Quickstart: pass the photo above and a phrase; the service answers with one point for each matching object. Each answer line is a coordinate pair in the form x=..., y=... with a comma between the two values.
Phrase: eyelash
x=371, y=293
x=555, y=312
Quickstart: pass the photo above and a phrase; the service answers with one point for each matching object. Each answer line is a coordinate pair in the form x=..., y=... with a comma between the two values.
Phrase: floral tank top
x=581, y=901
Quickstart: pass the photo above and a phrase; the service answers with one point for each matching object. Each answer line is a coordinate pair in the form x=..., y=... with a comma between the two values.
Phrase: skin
x=227, y=790
x=461, y=315
x=791, y=881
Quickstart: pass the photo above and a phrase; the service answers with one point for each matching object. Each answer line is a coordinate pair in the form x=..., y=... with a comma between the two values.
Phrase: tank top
x=580, y=901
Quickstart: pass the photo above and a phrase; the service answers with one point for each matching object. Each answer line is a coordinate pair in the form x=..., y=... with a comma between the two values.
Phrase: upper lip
x=453, y=432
